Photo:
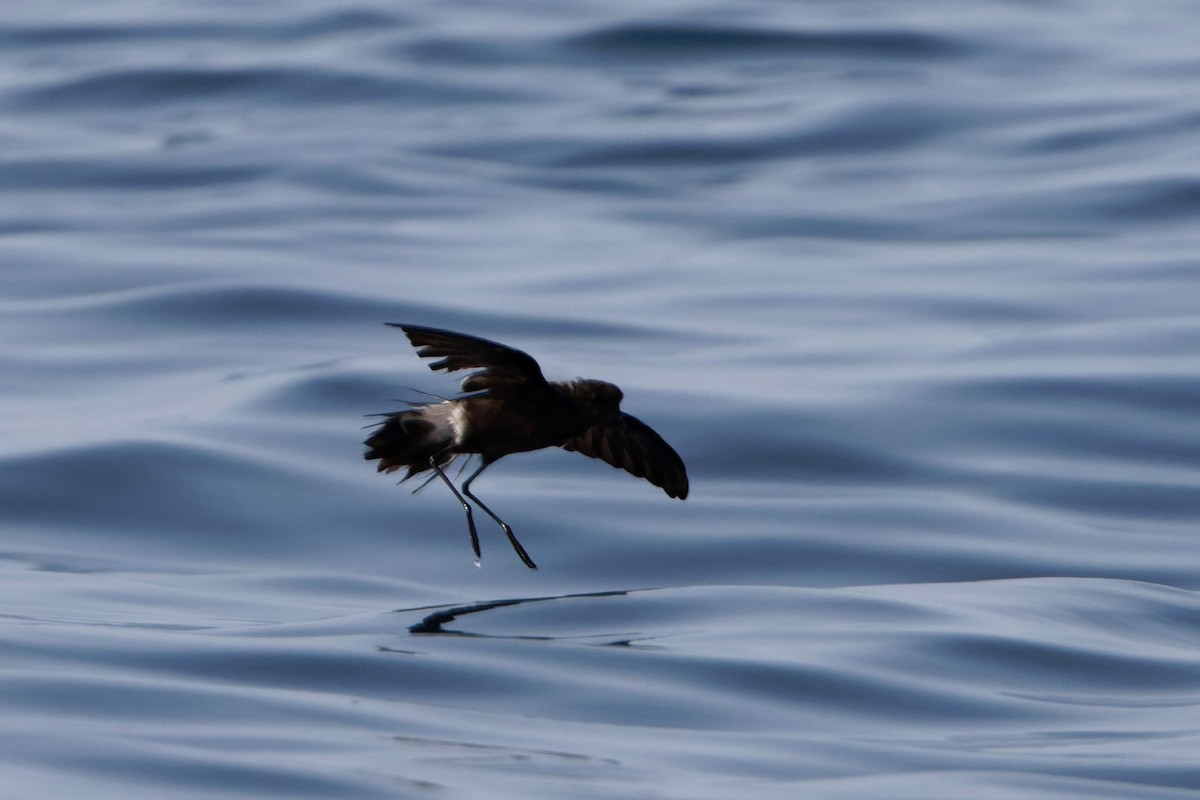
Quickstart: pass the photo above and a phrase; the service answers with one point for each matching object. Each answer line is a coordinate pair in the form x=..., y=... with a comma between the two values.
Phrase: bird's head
x=603, y=397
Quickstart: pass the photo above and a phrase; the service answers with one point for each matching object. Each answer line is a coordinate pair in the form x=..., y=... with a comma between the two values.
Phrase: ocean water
x=913, y=287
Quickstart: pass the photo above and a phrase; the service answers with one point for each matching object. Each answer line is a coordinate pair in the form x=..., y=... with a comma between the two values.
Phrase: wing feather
x=632, y=445
x=499, y=367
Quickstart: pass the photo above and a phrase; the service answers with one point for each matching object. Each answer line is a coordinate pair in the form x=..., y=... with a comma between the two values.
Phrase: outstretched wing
x=500, y=367
x=632, y=445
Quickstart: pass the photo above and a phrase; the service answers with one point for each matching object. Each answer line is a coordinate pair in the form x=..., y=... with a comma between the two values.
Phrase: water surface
x=911, y=287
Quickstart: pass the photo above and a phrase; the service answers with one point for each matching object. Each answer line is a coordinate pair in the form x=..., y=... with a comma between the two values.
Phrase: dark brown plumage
x=507, y=406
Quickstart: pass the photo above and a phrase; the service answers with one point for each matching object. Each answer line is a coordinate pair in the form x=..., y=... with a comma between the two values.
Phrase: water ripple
x=676, y=40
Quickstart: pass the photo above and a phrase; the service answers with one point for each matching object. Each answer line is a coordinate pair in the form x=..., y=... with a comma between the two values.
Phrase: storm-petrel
x=508, y=407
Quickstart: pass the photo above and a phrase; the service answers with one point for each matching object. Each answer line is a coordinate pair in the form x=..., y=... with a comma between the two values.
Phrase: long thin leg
x=466, y=487
x=466, y=507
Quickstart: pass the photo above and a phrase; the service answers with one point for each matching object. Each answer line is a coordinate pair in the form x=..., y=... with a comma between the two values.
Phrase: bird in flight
x=507, y=406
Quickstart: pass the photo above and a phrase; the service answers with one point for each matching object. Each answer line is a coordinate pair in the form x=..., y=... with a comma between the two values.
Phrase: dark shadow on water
x=434, y=622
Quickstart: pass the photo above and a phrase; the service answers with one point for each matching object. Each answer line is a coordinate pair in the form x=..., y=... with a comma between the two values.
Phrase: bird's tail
x=411, y=438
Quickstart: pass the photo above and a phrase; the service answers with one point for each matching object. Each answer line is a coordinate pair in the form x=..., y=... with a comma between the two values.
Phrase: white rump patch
x=458, y=422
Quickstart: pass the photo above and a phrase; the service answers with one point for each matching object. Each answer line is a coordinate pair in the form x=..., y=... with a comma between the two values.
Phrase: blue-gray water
x=913, y=287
